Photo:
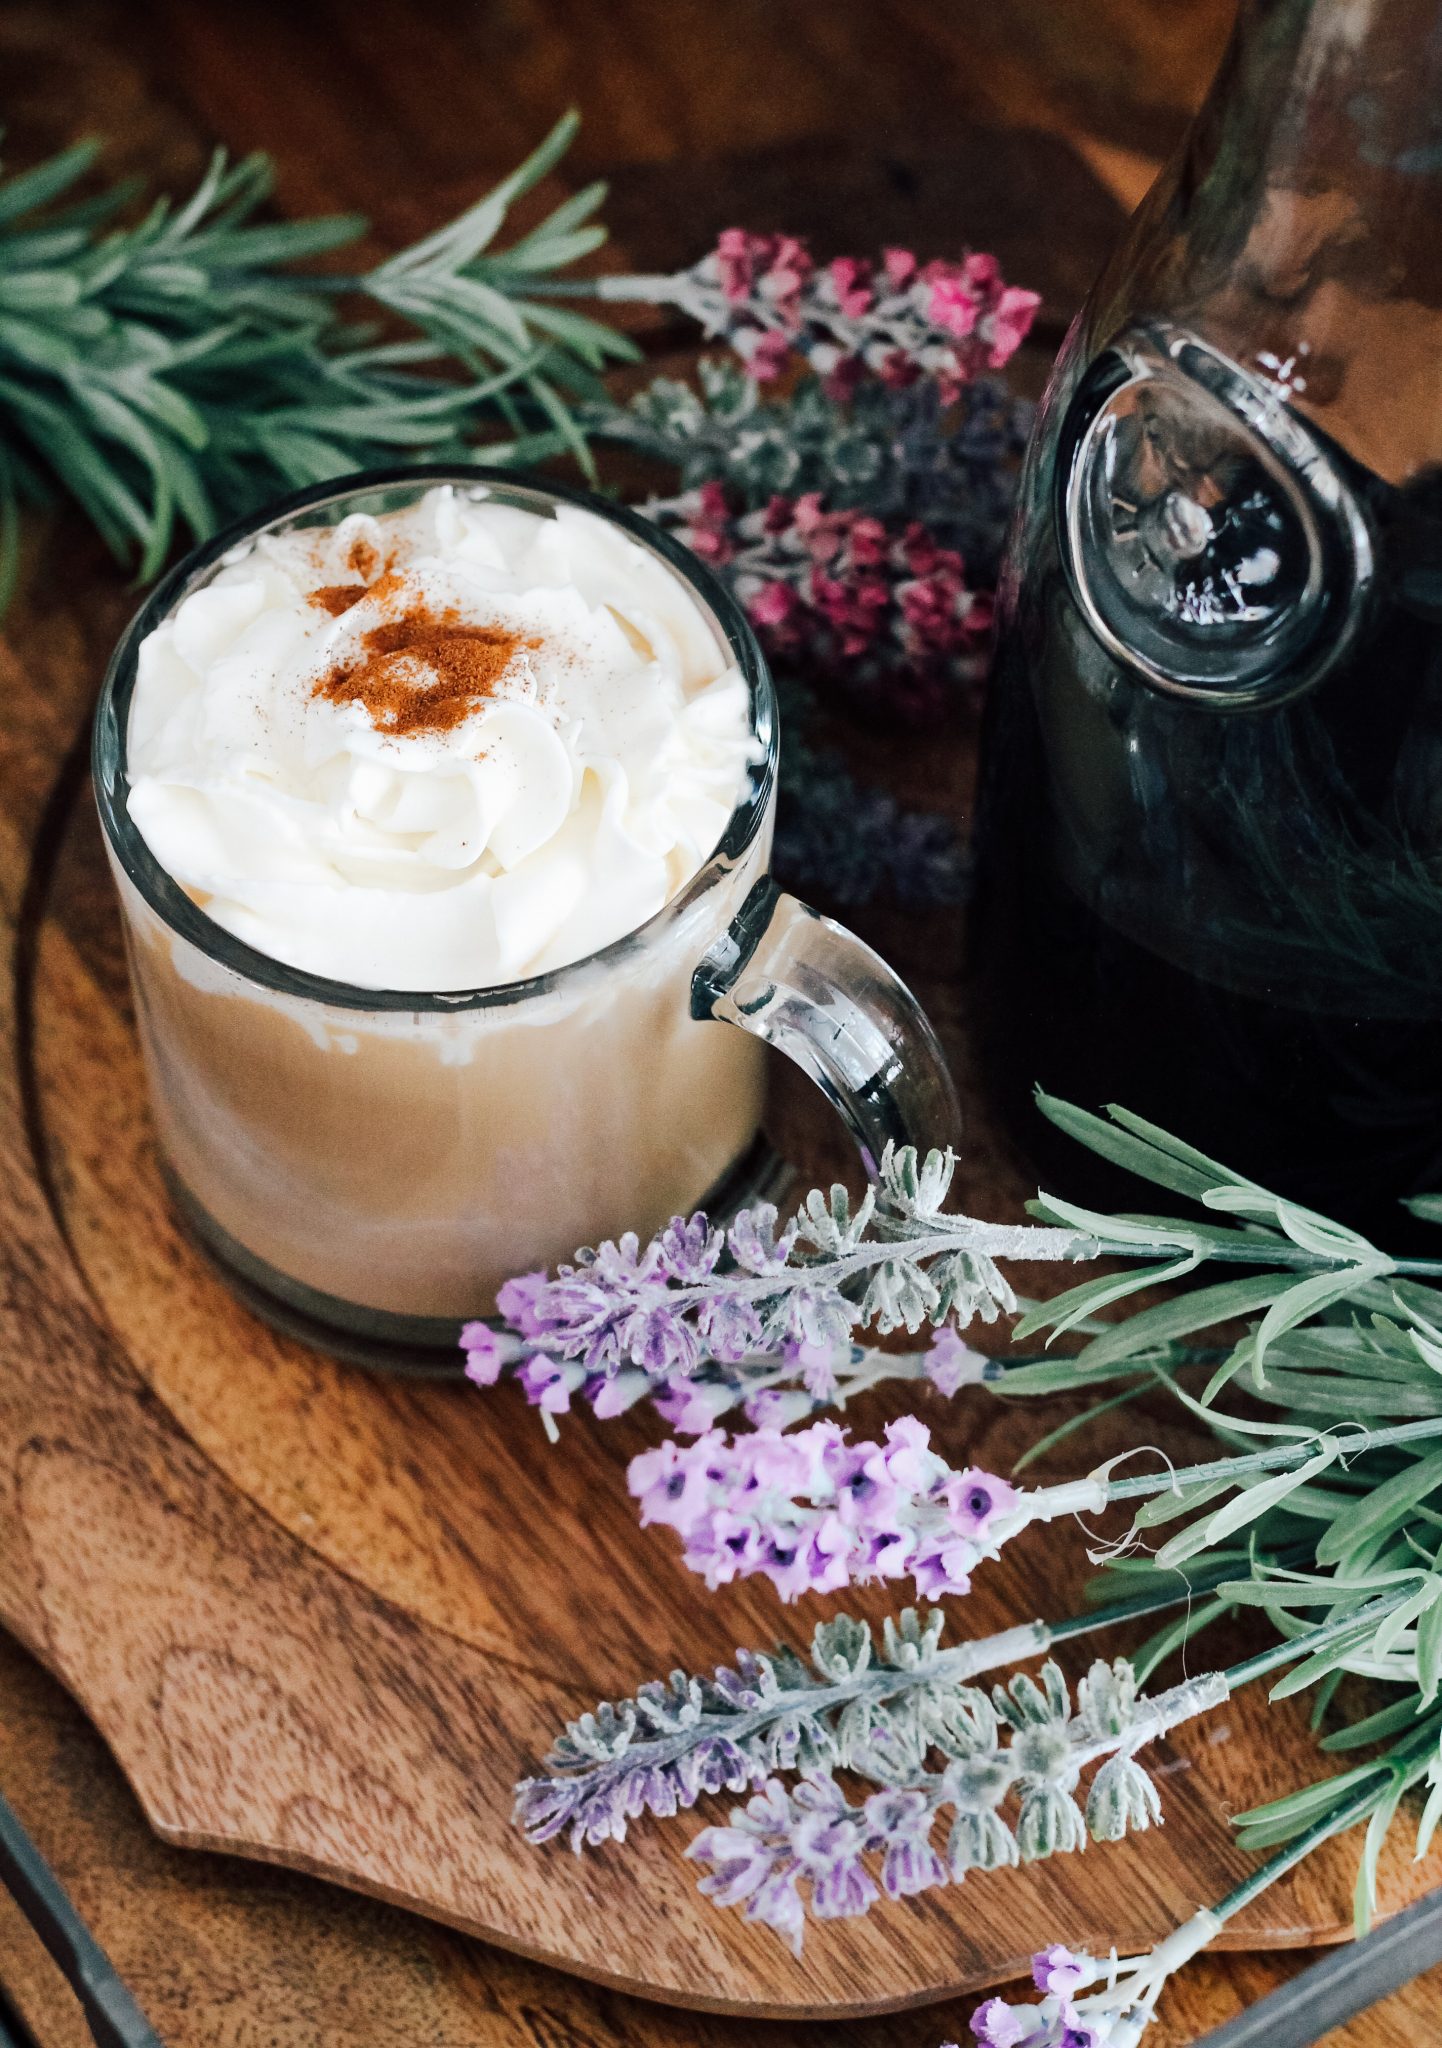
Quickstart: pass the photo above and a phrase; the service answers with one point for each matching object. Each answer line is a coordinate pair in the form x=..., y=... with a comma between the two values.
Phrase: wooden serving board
x=326, y=1620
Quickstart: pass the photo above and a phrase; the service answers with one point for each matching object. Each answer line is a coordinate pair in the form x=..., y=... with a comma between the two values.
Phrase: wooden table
x=1027, y=126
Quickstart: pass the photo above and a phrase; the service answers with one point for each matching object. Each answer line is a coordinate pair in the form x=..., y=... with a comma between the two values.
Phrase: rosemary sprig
x=179, y=371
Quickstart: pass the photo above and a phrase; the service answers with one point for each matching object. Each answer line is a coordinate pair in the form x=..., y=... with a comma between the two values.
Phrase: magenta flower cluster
x=813, y=1511
x=854, y=599
x=897, y=320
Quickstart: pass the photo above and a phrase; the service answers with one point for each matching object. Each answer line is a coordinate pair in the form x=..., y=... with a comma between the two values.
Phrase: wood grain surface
x=323, y=1620
x=224, y=1954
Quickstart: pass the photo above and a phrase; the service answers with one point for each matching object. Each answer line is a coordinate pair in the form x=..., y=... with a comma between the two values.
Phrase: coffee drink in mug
x=440, y=807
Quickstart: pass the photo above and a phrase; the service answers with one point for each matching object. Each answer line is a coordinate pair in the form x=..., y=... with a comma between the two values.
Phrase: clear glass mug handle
x=817, y=993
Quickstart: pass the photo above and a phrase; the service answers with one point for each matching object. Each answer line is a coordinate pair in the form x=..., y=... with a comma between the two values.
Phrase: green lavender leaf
x=1393, y=1720
x=1200, y=1308
x=1280, y=1819
x=1429, y=1652
x=1247, y=1506
x=1432, y=1811
x=1064, y=1311
x=1383, y=1508
x=1130, y=1142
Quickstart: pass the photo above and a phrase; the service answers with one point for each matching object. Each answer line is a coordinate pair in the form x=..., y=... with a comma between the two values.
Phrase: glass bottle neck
x=1300, y=228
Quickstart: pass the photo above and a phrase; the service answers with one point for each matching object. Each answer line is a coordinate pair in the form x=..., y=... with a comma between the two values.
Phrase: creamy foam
x=450, y=747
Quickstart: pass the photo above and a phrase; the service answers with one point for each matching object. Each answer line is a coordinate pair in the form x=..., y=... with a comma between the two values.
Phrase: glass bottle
x=1210, y=826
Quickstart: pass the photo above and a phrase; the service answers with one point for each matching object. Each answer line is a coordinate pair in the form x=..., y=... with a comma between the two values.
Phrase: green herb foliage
x=1340, y=1355
x=177, y=371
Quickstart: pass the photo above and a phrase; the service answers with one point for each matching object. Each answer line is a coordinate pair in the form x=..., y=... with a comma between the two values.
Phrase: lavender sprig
x=678, y=1738
x=901, y=455
x=774, y=1390
x=695, y=1292
x=1070, y=2015
x=814, y=1512
x=1024, y=1743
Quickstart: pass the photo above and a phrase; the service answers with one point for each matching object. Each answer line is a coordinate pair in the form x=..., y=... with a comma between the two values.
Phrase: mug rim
x=164, y=895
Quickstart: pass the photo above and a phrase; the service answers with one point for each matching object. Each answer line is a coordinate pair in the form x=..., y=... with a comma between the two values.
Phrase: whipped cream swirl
x=574, y=785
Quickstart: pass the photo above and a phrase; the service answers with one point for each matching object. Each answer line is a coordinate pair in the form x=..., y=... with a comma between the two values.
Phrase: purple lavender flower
x=943, y=1568
x=998, y=2025
x=1079, y=2033
x=951, y=1364
x=690, y=1249
x=672, y=1487
x=777, y=1407
x=730, y=1325
x=813, y=1512
x=485, y=1353
x=1058, y=1971
x=901, y=1822
x=549, y=1383
x=691, y=1406
x=974, y=1499
x=612, y=1394
x=517, y=1301
x=780, y=1839
x=753, y=1241
x=753, y=1861
x=817, y=1364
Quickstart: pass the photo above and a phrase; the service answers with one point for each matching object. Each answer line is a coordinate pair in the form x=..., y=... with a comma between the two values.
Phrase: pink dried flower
x=843, y=592
x=900, y=321
x=851, y=277
x=736, y=263
x=767, y=355
x=900, y=267
x=786, y=276
x=773, y=605
x=951, y=303
x=1010, y=324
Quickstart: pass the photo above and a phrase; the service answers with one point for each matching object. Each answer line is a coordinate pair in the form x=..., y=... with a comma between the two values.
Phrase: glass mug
x=367, y=1166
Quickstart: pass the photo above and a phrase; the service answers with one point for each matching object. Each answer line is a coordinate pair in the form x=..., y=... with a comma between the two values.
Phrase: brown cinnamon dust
x=336, y=598
x=424, y=672
x=363, y=559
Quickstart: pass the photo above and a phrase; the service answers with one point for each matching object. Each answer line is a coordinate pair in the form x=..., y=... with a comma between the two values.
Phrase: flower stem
x=1347, y=1815
x=1316, y=1639
x=1278, y=1460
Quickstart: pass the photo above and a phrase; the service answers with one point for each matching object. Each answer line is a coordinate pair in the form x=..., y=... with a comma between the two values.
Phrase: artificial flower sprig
x=682, y=1737
x=1024, y=1742
x=1110, y=2002
x=903, y=455
x=896, y=319
x=881, y=1713
x=636, y=1315
x=876, y=612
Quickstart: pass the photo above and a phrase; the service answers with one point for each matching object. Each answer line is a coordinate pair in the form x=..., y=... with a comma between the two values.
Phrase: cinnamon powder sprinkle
x=363, y=558
x=336, y=598
x=424, y=672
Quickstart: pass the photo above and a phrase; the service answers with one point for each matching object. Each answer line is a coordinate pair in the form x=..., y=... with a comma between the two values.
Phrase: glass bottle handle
x=813, y=990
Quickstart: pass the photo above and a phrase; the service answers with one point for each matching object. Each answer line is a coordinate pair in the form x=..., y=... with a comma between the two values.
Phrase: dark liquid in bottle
x=1230, y=923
